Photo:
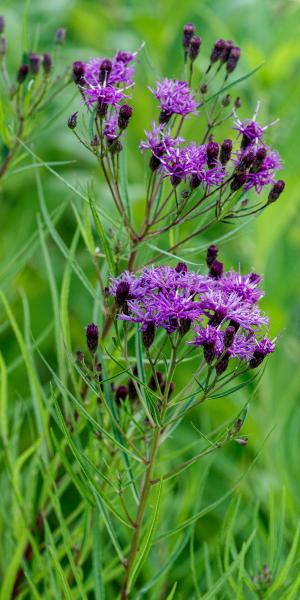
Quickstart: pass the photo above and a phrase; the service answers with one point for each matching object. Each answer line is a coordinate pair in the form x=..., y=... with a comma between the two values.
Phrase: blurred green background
x=268, y=32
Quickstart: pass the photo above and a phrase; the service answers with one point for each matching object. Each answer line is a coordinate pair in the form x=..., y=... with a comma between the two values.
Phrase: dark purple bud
x=22, y=73
x=246, y=161
x=226, y=51
x=181, y=267
x=102, y=108
x=47, y=62
x=229, y=334
x=222, y=364
x=194, y=47
x=154, y=163
x=225, y=153
x=233, y=59
x=121, y=393
x=212, y=253
x=72, y=120
x=254, y=278
x=148, y=335
x=212, y=151
x=92, y=337
x=2, y=24
x=188, y=32
x=234, y=324
x=209, y=352
x=78, y=72
x=276, y=190
x=184, y=326
x=238, y=102
x=238, y=181
x=204, y=88
x=159, y=379
x=194, y=181
x=124, y=116
x=105, y=70
x=34, y=63
x=164, y=117
x=216, y=269
x=259, y=159
x=226, y=100
x=175, y=179
x=122, y=292
x=217, y=50
x=60, y=36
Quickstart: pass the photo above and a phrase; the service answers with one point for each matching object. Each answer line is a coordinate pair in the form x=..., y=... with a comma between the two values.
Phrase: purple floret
x=175, y=97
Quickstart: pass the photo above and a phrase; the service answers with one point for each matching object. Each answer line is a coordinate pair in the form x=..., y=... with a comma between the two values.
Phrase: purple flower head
x=222, y=306
x=158, y=141
x=242, y=346
x=251, y=131
x=262, y=349
x=265, y=174
x=175, y=97
x=245, y=286
x=209, y=336
x=110, y=127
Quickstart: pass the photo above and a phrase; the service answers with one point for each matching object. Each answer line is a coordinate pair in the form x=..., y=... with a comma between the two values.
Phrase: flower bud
x=226, y=100
x=194, y=47
x=212, y=253
x=78, y=72
x=224, y=54
x=114, y=146
x=60, y=36
x=22, y=73
x=121, y=393
x=238, y=181
x=184, y=326
x=237, y=103
x=181, y=267
x=154, y=163
x=2, y=24
x=72, y=120
x=222, y=364
x=216, y=269
x=188, y=32
x=164, y=117
x=124, y=116
x=105, y=70
x=122, y=292
x=194, y=181
x=246, y=161
x=259, y=159
x=204, y=88
x=229, y=334
x=276, y=190
x=92, y=337
x=47, y=62
x=212, y=151
x=233, y=58
x=148, y=335
x=34, y=63
x=218, y=48
x=209, y=352
x=225, y=153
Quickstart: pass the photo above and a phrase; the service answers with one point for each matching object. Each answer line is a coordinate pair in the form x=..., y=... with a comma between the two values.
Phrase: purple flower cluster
x=104, y=83
x=222, y=312
x=255, y=163
x=180, y=162
x=175, y=97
